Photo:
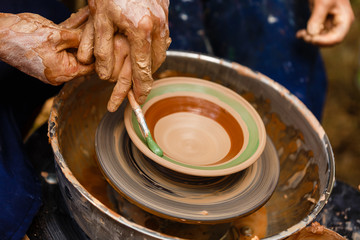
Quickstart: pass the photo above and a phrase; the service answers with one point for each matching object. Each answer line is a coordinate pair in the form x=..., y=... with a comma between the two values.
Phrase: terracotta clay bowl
x=203, y=128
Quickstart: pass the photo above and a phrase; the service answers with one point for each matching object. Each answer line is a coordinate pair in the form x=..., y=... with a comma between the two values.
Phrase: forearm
x=18, y=42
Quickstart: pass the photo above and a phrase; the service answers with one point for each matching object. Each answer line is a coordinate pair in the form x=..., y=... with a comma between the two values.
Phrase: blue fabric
x=50, y=9
x=20, y=190
x=259, y=34
x=186, y=26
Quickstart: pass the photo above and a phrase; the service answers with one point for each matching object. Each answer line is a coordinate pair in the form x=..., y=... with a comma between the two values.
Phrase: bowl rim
x=232, y=112
x=227, y=96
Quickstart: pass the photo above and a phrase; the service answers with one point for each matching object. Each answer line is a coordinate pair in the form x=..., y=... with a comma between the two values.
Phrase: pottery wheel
x=177, y=196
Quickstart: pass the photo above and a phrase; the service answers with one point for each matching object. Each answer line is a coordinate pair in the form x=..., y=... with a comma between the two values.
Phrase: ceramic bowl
x=203, y=128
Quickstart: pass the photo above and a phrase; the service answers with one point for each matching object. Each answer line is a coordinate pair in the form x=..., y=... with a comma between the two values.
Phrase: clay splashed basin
x=305, y=155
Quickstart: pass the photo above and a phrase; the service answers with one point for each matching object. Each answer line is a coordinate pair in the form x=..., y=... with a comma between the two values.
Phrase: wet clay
x=171, y=105
x=39, y=47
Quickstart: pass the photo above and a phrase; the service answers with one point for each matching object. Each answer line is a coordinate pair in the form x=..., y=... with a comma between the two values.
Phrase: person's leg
x=261, y=35
x=19, y=187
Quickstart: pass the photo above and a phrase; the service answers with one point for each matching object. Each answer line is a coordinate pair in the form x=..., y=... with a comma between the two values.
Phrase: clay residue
x=94, y=182
x=299, y=178
x=38, y=47
x=288, y=141
x=18, y=46
x=314, y=232
x=254, y=225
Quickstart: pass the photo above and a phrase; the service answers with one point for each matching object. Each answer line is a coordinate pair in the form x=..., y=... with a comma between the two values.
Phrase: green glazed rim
x=252, y=120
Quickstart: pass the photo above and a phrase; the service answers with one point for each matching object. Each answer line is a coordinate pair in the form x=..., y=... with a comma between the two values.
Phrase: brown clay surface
x=199, y=106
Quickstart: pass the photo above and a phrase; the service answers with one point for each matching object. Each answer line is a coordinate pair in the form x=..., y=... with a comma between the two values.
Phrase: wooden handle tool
x=143, y=126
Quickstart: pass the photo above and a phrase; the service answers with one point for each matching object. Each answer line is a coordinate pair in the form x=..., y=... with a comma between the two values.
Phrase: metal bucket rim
x=324, y=196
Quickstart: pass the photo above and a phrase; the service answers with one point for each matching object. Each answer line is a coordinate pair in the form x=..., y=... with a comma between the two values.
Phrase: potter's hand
x=41, y=48
x=329, y=22
x=143, y=22
x=122, y=72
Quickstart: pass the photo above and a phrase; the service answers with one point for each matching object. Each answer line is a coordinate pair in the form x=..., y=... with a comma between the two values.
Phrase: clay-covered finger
x=86, y=48
x=121, y=51
x=122, y=86
x=81, y=70
x=67, y=38
x=64, y=68
x=85, y=69
x=140, y=47
x=103, y=46
x=76, y=19
x=92, y=6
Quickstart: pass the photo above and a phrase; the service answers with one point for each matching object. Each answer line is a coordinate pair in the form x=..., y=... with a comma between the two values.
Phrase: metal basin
x=306, y=159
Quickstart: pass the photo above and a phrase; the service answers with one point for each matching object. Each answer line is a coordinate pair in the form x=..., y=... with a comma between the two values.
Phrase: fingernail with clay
x=111, y=107
x=142, y=99
x=103, y=74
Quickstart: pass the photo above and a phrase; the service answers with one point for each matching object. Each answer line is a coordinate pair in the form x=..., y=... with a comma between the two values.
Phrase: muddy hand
x=143, y=22
x=78, y=19
x=41, y=48
x=329, y=22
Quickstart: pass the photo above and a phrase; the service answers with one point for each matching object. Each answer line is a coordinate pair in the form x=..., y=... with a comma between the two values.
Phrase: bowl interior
x=203, y=128
x=195, y=131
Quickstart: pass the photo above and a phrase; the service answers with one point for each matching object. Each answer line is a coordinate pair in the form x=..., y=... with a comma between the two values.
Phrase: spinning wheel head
x=177, y=196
